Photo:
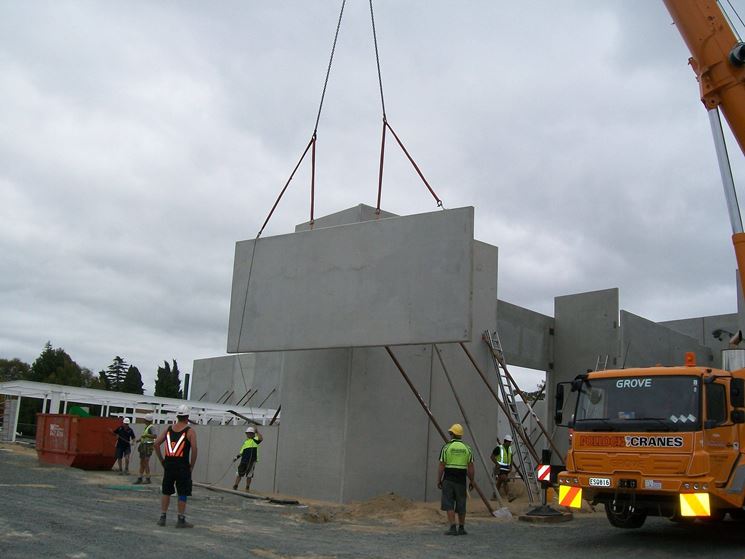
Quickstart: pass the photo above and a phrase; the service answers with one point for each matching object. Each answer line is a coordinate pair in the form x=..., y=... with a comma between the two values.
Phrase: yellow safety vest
x=505, y=456
x=147, y=437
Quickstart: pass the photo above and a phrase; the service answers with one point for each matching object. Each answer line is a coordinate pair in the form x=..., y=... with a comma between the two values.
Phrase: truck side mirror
x=737, y=393
x=559, y=403
x=737, y=416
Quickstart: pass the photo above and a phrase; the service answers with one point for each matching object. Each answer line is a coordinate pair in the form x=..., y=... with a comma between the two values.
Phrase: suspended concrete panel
x=393, y=281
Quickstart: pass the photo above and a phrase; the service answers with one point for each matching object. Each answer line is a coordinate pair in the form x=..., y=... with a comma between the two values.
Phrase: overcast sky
x=140, y=140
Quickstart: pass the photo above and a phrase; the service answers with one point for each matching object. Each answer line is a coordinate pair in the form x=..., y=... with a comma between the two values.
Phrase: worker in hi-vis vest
x=502, y=458
x=456, y=465
x=145, y=449
x=248, y=455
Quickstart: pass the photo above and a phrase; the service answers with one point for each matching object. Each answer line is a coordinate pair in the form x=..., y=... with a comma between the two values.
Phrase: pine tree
x=116, y=373
x=167, y=381
x=176, y=376
x=132, y=381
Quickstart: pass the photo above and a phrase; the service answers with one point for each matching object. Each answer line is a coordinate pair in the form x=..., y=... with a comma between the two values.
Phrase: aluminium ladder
x=520, y=438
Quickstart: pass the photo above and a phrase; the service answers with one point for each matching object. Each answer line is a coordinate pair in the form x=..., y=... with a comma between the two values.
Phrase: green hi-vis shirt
x=456, y=456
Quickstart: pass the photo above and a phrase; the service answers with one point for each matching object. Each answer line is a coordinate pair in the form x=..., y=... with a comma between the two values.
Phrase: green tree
x=92, y=380
x=168, y=381
x=14, y=369
x=116, y=373
x=57, y=367
x=103, y=381
x=132, y=381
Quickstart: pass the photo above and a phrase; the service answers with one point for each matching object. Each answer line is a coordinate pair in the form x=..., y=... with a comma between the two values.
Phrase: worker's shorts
x=453, y=496
x=122, y=451
x=246, y=469
x=177, y=475
x=145, y=450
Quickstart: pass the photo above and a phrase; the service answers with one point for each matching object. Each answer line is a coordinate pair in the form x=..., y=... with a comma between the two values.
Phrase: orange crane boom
x=718, y=60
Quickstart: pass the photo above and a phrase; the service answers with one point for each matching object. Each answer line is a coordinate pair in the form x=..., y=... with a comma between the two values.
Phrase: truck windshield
x=657, y=403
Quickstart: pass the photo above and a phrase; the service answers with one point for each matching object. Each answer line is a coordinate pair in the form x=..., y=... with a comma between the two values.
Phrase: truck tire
x=625, y=516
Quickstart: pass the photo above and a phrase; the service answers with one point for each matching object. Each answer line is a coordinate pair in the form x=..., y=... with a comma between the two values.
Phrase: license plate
x=599, y=482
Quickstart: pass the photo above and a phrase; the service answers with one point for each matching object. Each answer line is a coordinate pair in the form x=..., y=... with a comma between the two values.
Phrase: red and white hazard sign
x=544, y=473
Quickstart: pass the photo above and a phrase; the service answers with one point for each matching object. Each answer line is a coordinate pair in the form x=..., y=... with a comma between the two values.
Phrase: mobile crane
x=670, y=441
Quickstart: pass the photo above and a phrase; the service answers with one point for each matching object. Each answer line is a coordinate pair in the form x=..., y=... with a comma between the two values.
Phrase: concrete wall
x=586, y=326
x=259, y=373
x=314, y=400
x=646, y=344
x=527, y=336
x=702, y=328
x=400, y=280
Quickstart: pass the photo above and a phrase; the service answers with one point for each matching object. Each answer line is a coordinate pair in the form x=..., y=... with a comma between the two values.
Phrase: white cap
x=148, y=417
x=508, y=438
x=126, y=421
x=250, y=429
x=182, y=410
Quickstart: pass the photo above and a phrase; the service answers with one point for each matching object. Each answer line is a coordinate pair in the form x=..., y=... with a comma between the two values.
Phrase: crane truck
x=670, y=441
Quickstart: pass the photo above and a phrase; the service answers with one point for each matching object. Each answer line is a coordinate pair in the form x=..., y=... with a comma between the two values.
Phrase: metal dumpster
x=81, y=442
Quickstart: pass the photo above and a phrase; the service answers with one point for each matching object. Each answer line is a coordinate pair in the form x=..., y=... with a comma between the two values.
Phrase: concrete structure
x=351, y=429
x=250, y=379
x=396, y=280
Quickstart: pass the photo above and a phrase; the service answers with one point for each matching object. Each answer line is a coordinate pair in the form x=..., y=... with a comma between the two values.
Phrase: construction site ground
x=51, y=511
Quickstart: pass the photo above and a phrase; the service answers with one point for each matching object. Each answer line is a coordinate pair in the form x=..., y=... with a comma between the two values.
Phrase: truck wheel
x=625, y=516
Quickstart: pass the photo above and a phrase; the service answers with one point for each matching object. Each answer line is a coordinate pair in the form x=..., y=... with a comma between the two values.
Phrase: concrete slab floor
x=63, y=512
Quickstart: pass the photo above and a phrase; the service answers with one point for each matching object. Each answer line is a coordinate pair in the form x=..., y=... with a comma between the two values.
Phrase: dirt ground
x=48, y=511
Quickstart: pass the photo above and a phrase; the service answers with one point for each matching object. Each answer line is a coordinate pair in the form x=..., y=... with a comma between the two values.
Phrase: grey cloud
x=141, y=140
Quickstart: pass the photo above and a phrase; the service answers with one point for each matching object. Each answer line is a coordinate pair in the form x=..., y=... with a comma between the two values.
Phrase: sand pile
x=386, y=508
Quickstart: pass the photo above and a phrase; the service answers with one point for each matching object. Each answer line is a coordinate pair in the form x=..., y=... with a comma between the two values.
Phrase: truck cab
x=659, y=441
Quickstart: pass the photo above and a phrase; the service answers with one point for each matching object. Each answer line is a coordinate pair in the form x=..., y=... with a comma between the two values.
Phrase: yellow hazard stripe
x=570, y=496
x=694, y=504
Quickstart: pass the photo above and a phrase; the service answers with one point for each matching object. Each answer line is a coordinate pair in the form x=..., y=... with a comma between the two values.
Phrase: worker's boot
x=138, y=482
x=147, y=481
x=162, y=520
x=452, y=531
x=462, y=530
x=182, y=523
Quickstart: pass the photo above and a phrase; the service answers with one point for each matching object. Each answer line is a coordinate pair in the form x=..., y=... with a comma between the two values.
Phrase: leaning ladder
x=527, y=467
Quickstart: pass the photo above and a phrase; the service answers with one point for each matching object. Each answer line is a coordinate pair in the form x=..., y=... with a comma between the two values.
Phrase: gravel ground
x=62, y=512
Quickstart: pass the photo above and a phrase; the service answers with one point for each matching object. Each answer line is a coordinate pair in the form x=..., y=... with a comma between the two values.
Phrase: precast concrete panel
x=477, y=400
x=251, y=378
x=703, y=328
x=312, y=431
x=386, y=429
x=645, y=344
x=525, y=335
x=585, y=328
x=394, y=281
